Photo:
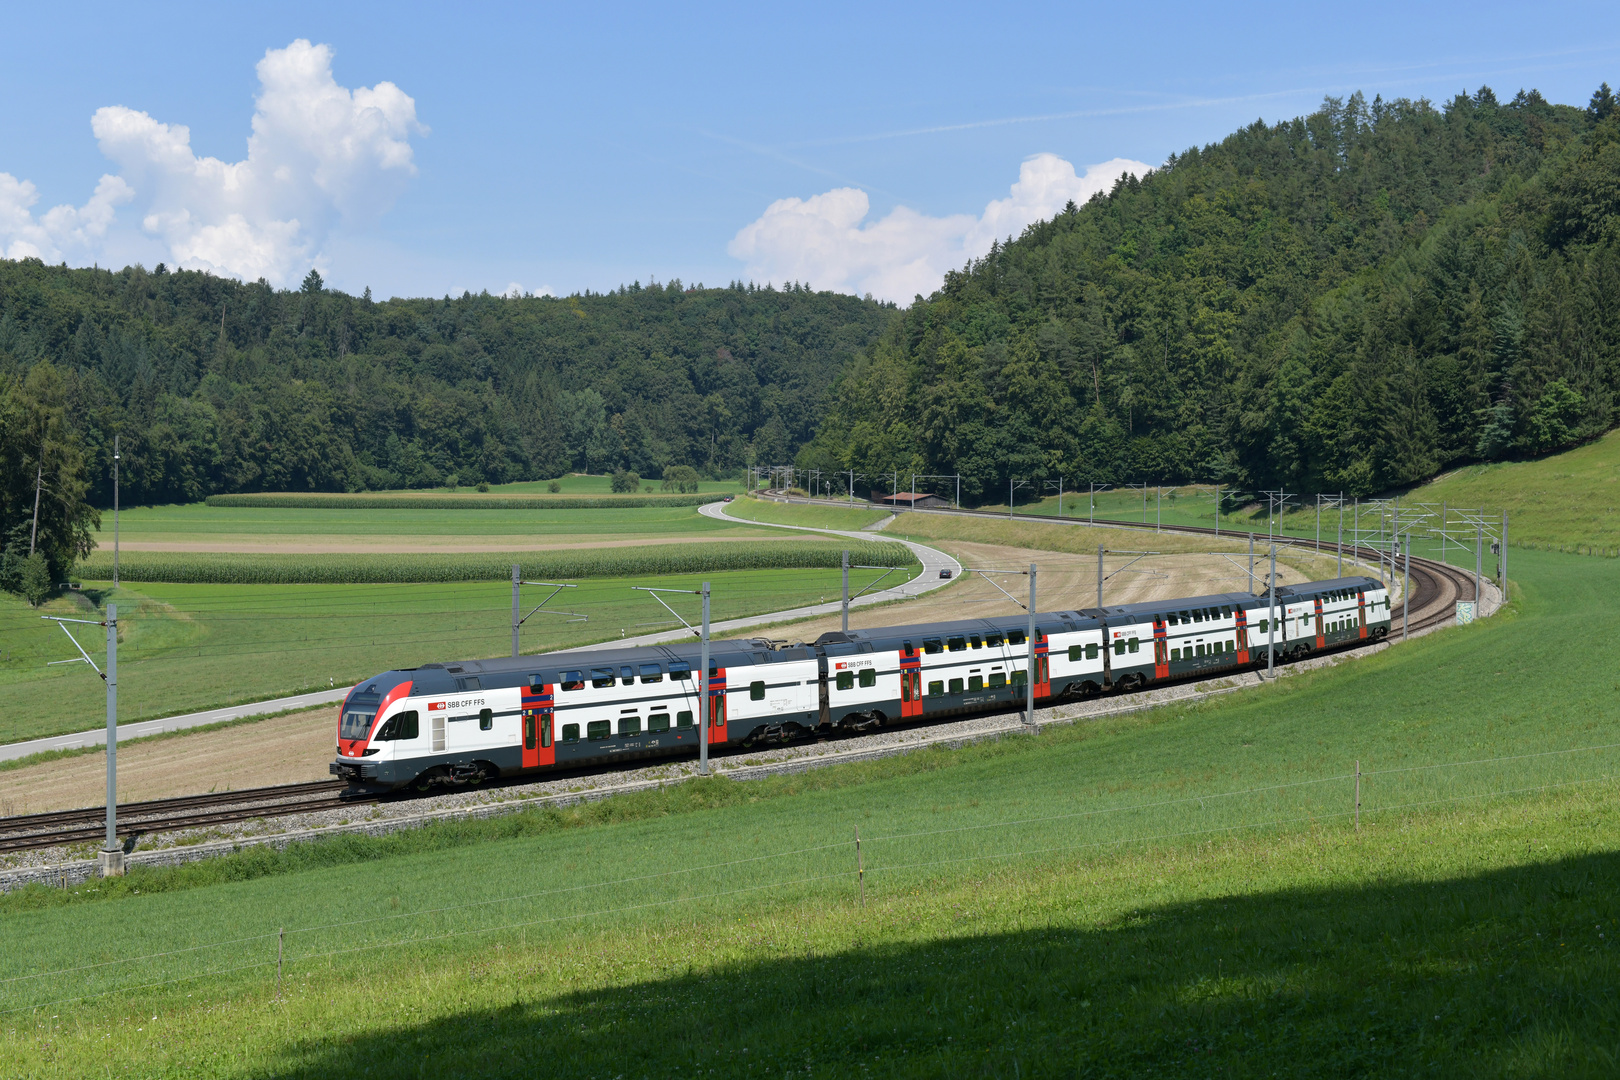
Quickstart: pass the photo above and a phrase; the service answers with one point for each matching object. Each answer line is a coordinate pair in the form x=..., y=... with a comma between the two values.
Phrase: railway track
x=1436, y=587
x=88, y=825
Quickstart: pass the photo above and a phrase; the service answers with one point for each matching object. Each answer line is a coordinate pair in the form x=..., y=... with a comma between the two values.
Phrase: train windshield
x=358, y=713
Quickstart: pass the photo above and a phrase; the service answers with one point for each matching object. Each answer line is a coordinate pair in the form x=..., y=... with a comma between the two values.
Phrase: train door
x=1161, y=649
x=1361, y=614
x=1107, y=655
x=911, y=697
x=537, y=716
x=1321, y=637
x=824, y=699
x=1242, y=634
x=717, y=705
x=1043, y=665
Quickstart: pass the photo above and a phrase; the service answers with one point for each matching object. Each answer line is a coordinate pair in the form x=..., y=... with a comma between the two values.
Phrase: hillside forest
x=1352, y=300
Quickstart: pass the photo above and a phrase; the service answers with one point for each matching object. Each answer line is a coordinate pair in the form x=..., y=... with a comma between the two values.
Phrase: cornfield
x=225, y=569
x=316, y=501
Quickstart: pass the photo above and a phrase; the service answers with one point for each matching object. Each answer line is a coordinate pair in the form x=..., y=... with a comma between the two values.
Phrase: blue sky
x=583, y=146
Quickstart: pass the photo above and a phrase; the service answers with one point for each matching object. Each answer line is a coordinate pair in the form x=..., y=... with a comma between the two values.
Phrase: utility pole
x=1099, y=574
x=1406, y=590
x=1060, y=497
x=1504, y=581
x=1217, y=511
x=846, y=592
x=703, y=690
x=959, y=491
x=1251, y=562
x=1009, y=496
x=1029, y=679
x=517, y=620
x=1479, y=560
x=1158, y=510
x=112, y=856
x=115, y=511
x=1341, y=539
x=1271, y=625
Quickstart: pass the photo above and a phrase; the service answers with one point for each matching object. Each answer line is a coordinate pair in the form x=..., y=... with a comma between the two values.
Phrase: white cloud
x=61, y=230
x=823, y=240
x=319, y=154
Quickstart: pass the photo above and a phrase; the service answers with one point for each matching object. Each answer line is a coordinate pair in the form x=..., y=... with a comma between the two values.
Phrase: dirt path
x=281, y=750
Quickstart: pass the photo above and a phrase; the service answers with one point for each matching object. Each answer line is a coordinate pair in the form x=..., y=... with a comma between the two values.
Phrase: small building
x=907, y=500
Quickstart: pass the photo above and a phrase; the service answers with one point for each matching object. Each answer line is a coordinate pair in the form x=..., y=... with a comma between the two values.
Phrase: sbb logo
x=435, y=706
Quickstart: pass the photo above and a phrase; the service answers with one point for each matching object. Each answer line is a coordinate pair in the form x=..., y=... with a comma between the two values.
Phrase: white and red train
x=478, y=719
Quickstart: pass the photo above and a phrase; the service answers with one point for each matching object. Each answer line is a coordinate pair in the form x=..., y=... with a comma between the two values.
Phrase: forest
x=1353, y=300
x=1350, y=301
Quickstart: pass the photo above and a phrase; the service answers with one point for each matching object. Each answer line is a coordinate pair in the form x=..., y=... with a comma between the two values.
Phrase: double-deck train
x=465, y=722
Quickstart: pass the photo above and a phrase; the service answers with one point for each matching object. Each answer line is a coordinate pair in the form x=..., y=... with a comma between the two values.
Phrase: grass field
x=199, y=527
x=189, y=647
x=576, y=484
x=830, y=515
x=1176, y=892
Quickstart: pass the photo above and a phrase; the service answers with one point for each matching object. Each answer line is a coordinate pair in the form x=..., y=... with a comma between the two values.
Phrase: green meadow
x=821, y=515
x=1182, y=891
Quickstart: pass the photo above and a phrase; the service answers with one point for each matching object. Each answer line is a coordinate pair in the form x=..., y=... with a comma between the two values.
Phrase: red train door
x=717, y=705
x=1242, y=635
x=1161, y=649
x=911, y=701
x=1321, y=637
x=1043, y=667
x=537, y=715
x=1361, y=613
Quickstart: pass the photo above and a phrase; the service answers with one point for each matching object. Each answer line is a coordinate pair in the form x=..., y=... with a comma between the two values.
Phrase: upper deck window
x=680, y=669
x=573, y=680
x=651, y=673
x=601, y=676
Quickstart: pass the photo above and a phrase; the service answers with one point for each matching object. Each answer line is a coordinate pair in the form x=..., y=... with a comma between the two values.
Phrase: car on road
x=945, y=573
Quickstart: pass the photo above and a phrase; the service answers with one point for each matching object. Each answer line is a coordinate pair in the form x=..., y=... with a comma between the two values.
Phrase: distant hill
x=1351, y=300
x=215, y=385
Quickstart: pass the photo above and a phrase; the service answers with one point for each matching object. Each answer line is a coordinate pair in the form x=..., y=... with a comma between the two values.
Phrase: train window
x=658, y=721
x=932, y=645
x=936, y=688
x=651, y=673
x=573, y=680
x=486, y=719
x=1226, y=613
x=976, y=641
x=629, y=725
x=1019, y=678
x=997, y=678
x=1077, y=652
x=628, y=675
x=570, y=733
x=975, y=682
x=1186, y=617
x=1119, y=648
x=1134, y=645
x=1231, y=646
x=908, y=650
x=995, y=641
x=1091, y=651
x=956, y=686
x=756, y=691
x=469, y=682
x=956, y=644
x=1015, y=637
x=1171, y=620
x=545, y=728
x=846, y=680
x=536, y=681
x=868, y=676
x=683, y=719
x=1265, y=626
x=598, y=729
x=680, y=669
x=1198, y=614
x=528, y=729
x=1175, y=654
x=602, y=676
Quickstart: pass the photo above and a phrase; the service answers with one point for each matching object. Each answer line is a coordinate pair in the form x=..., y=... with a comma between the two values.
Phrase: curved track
x=1436, y=588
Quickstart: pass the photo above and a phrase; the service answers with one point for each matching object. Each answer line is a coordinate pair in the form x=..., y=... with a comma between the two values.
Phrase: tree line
x=1352, y=300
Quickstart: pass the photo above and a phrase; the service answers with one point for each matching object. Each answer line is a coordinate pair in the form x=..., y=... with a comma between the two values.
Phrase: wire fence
x=828, y=871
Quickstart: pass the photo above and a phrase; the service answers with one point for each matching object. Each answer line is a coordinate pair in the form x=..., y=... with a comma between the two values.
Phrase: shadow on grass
x=1508, y=973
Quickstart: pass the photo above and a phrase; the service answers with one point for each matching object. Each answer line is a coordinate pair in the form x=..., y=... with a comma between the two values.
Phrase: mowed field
x=1182, y=892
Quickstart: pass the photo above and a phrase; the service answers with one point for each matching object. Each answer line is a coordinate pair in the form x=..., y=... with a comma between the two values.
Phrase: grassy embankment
x=1179, y=892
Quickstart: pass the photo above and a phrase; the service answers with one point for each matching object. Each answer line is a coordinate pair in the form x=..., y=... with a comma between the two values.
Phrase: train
x=475, y=720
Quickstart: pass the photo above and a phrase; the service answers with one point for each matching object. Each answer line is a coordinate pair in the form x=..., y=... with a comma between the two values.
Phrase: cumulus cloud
x=827, y=241
x=60, y=231
x=319, y=154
